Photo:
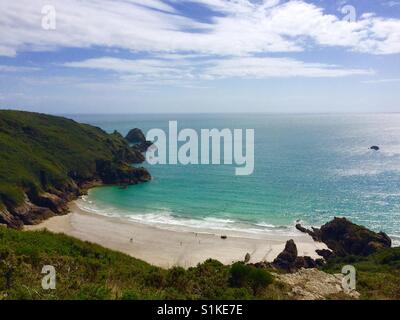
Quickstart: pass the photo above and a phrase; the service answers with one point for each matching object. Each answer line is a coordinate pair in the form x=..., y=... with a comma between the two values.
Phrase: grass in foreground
x=378, y=275
x=88, y=271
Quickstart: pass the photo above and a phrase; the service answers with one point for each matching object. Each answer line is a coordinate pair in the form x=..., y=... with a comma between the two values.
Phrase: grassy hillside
x=87, y=271
x=42, y=153
x=378, y=275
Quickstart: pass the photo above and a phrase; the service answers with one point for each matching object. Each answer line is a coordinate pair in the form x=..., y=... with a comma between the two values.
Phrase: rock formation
x=138, y=139
x=52, y=160
x=286, y=259
x=135, y=136
x=143, y=146
x=312, y=284
x=346, y=238
x=289, y=260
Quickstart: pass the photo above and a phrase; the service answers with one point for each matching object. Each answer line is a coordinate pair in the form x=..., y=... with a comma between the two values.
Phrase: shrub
x=239, y=274
x=155, y=278
x=243, y=275
x=87, y=271
x=259, y=279
x=176, y=278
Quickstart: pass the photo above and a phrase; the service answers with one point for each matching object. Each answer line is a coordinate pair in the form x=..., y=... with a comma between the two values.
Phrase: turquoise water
x=307, y=167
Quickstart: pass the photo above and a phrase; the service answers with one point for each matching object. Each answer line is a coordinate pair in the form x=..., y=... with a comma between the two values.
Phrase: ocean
x=308, y=168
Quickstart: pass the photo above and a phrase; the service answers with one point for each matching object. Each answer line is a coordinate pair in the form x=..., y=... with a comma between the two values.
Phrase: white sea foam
x=267, y=225
x=165, y=219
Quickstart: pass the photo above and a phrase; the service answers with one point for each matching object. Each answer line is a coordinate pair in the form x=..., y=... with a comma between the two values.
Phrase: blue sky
x=145, y=56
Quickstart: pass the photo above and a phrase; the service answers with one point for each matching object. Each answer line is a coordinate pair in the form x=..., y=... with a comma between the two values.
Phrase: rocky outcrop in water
x=143, y=146
x=135, y=136
x=138, y=139
x=346, y=238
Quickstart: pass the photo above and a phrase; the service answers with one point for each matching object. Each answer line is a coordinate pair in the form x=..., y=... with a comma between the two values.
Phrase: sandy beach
x=167, y=248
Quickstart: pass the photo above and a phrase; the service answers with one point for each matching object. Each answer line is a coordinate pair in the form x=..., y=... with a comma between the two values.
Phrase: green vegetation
x=88, y=271
x=378, y=275
x=32, y=144
x=244, y=275
x=42, y=153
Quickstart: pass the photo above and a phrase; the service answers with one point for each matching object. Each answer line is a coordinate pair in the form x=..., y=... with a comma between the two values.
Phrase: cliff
x=47, y=161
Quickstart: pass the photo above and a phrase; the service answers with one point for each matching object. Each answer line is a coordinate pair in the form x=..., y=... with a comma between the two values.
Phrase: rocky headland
x=48, y=161
x=345, y=238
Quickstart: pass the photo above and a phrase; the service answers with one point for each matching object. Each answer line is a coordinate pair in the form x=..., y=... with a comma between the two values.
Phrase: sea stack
x=135, y=136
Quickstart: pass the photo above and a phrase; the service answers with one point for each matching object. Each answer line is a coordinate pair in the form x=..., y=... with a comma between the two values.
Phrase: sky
x=200, y=56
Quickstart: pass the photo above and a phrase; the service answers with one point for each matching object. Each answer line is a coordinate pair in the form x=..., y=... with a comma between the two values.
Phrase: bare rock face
x=313, y=233
x=8, y=219
x=306, y=262
x=142, y=147
x=121, y=173
x=27, y=213
x=312, y=284
x=346, y=238
x=143, y=175
x=140, y=144
x=51, y=201
x=286, y=259
x=38, y=206
x=94, y=157
x=326, y=254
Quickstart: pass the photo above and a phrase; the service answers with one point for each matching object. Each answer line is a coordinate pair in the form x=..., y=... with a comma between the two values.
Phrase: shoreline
x=167, y=248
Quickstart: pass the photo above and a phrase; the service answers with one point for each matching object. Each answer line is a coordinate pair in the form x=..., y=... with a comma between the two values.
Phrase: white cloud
x=382, y=81
x=243, y=27
x=392, y=3
x=250, y=67
x=178, y=70
x=5, y=68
